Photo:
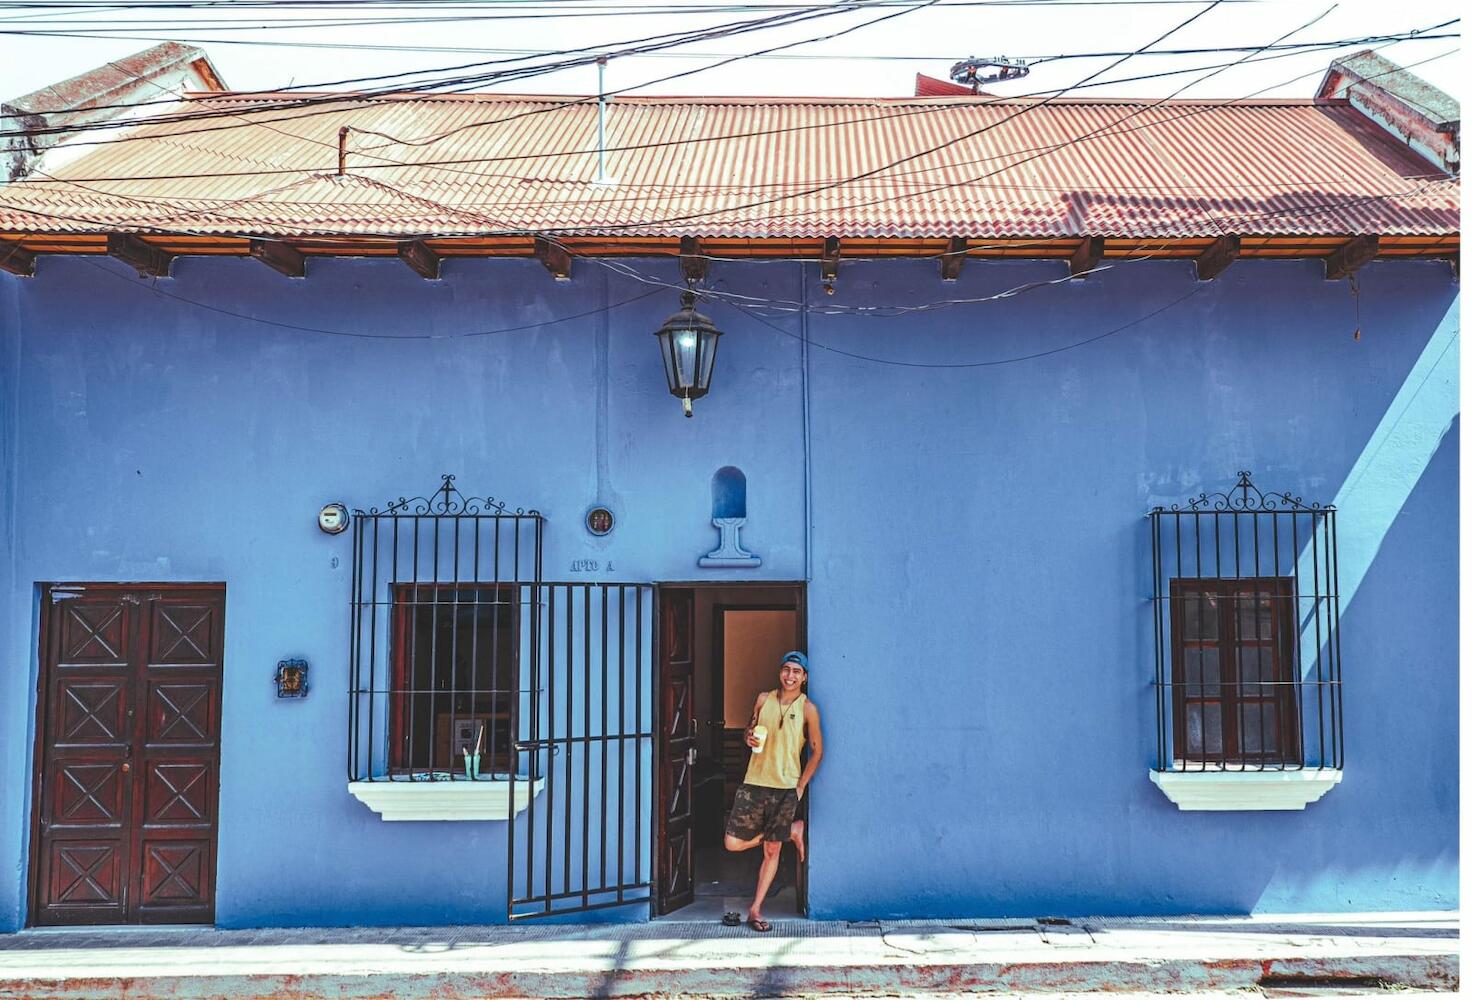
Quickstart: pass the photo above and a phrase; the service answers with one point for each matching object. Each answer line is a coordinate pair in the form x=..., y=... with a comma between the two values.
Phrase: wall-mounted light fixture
x=688, y=342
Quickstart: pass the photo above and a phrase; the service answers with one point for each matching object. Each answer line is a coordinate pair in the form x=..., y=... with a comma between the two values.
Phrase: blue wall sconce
x=291, y=679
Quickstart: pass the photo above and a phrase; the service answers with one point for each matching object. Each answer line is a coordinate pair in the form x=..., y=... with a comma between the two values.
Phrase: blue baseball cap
x=796, y=656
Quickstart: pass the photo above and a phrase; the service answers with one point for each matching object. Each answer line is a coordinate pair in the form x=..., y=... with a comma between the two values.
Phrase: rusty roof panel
x=724, y=167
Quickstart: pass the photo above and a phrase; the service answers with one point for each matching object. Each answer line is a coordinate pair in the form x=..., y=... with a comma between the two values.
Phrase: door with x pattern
x=128, y=743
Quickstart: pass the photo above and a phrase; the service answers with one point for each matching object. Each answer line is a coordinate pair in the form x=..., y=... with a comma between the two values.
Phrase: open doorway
x=721, y=647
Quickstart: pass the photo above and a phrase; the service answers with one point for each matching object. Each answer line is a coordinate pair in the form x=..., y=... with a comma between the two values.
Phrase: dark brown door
x=676, y=748
x=128, y=742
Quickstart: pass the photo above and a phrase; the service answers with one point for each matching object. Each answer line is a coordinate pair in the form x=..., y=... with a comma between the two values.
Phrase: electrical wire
x=447, y=165
x=1032, y=60
x=583, y=56
x=373, y=336
x=851, y=206
x=996, y=362
x=392, y=164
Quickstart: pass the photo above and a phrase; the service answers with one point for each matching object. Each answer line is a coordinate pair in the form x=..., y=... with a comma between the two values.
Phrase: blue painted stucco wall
x=979, y=560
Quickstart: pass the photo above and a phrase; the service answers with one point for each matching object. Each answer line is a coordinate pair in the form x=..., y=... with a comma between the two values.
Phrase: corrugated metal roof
x=752, y=167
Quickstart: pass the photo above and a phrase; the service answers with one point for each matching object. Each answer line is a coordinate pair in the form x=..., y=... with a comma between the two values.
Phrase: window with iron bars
x=1246, y=618
x=445, y=635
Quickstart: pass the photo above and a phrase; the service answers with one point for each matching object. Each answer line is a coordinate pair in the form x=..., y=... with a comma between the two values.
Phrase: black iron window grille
x=466, y=665
x=1246, y=619
x=445, y=611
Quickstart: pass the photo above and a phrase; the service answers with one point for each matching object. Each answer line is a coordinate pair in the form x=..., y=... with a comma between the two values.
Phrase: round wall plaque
x=599, y=520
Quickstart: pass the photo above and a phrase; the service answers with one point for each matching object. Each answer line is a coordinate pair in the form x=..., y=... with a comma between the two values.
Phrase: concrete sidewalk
x=706, y=959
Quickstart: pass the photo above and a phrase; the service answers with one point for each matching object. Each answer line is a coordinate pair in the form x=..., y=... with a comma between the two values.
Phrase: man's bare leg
x=732, y=844
x=771, y=855
x=797, y=830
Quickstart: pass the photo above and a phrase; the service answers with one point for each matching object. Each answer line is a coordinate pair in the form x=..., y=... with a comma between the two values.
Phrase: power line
x=980, y=364
x=584, y=56
x=1296, y=48
x=878, y=201
x=374, y=336
x=350, y=98
x=446, y=165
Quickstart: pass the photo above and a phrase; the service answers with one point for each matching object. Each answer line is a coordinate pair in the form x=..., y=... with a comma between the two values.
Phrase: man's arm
x=815, y=746
x=756, y=711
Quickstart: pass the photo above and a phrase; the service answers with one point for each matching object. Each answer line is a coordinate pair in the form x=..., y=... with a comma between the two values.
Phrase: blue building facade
x=959, y=493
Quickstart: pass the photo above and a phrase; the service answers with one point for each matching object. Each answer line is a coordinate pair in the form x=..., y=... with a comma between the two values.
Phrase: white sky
x=938, y=35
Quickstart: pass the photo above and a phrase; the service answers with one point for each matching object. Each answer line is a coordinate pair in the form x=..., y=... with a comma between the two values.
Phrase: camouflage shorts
x=761, y=810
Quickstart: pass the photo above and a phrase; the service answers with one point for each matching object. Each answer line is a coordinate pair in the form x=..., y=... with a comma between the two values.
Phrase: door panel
x=677, y=747
x=128, y=747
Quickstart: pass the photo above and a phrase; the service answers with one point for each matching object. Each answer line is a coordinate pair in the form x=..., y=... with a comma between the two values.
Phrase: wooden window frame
x=407, y=597
x=1285, y=696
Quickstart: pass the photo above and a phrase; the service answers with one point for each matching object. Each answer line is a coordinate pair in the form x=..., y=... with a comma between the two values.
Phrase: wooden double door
x=128, y=754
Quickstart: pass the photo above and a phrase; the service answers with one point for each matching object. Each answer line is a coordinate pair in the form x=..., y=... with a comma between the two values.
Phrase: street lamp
x=688, y=342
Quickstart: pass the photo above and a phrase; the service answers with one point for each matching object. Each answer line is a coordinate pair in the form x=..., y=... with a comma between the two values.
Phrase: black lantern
x=688, y=342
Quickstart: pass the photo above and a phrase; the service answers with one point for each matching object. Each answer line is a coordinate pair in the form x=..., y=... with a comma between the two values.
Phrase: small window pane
x=1254, y=616
x=1260, y=728
x=1213, y=714
x=1203, y=729
x=1203, y=672
x=1199, y=620
x=1254, y=666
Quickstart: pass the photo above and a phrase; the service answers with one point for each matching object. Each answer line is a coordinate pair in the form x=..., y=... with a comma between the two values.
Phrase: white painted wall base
x=443, y=800
x=1245, y=790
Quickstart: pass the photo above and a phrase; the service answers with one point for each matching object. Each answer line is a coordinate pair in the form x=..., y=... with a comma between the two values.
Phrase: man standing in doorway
x=766, y=802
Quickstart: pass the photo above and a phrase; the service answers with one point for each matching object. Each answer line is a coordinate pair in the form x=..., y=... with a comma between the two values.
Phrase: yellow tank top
x=778, y=765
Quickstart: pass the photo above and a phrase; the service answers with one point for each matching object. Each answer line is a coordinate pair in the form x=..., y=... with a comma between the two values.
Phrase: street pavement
x=1298, y=955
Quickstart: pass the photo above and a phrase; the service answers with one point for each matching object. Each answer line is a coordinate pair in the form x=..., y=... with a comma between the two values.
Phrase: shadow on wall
x=1400, y=723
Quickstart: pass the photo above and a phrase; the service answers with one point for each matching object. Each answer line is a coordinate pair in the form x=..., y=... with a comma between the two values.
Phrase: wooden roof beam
x=279, y=257
x=1086, y=257
x=1218, y=257
x=424, y=261
x=1350, y=257
x=17, y=259
x=828, y=262
x=693, y=263
x=955, y=256
x=145, y=257
x=555, y=259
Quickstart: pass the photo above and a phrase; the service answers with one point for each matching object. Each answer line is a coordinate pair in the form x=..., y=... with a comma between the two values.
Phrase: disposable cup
x=759, y=733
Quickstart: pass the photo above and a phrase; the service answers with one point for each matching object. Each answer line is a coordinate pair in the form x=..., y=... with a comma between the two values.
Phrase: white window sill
x=444, y=800
x=1222, y=791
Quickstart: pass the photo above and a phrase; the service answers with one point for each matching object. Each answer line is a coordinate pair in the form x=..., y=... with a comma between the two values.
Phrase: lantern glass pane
x=685, y=344
x=666, y=352
x=708, y=359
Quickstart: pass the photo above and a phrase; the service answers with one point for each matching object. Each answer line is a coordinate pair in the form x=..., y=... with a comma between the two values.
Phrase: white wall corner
x=1222, y=791
x=399, y=801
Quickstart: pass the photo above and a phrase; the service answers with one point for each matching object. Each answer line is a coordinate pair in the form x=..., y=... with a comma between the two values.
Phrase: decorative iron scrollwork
x=1245, y=496
x=447, y=501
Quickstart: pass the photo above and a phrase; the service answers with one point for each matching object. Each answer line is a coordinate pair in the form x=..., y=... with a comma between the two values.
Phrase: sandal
x=760, y=926
x=731, y=919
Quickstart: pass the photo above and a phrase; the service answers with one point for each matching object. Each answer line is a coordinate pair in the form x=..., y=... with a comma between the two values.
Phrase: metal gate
x=466, y=666
x=583, y=842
